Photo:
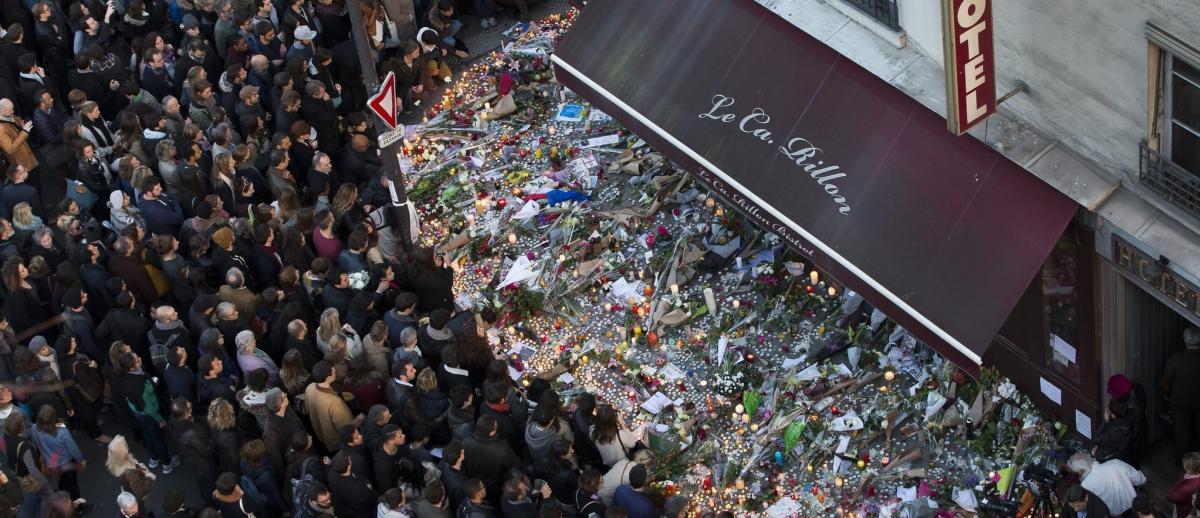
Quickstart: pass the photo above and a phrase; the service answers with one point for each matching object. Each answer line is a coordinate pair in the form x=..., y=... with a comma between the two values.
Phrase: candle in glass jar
x=675, y=290
x=512, y=238
x=832, y=291
x=710, y=300
x=813, y=277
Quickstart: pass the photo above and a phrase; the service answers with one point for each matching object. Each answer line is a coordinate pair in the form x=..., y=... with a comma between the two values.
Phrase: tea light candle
x=739, y=409
x=512, y=238
x=832, y=291
x=754, y=427
x=889, y=375
x=745, y=418
x=813, y=277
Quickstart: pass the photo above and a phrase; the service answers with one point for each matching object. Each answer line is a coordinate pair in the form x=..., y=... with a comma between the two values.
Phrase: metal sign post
x=391, y=162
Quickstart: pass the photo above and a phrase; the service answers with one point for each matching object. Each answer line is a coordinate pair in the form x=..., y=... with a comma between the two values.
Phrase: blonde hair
x=1191, y=463
x=22, y=215
x=220, y=415
x=331, y=323
x=120, y=459
x=426, y=381
x=222, y=167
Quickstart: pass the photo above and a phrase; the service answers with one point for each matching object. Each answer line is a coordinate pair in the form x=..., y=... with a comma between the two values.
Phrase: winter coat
x=327, y=412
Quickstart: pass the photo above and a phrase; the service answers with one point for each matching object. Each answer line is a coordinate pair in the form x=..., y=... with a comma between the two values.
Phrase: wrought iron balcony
x=882, y=11
x=1171, y=181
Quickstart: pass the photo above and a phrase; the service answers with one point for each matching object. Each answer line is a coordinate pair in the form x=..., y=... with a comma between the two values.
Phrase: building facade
x=1111, y=118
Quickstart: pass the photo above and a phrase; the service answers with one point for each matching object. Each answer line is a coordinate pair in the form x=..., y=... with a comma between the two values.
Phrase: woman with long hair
x=84, y=386
x=22, y=307
x=330, y=326
x=129, y=136
x=613, y=440
x=60, y=455
x=364, y=383
x=225, y=182
x=294, y=250
x=293, y=377
x=24, y=222
x=120, y=459
x=431, y=280
x=346, y=210
x=223, y=423
x=375, y=348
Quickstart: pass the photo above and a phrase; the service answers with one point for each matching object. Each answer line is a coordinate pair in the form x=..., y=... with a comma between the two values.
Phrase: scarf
x=99, y=130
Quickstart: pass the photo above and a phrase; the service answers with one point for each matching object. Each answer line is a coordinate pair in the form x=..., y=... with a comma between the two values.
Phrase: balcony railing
x=882, y=11
x=1174, y=183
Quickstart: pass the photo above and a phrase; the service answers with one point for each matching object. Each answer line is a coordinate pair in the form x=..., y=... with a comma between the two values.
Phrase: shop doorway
x=1148, y=331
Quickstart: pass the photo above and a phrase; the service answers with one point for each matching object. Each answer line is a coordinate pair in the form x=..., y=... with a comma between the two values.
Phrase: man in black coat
x=155, y=77
x=317, y=110
x=489, y=457
x=337, y=292
x=127, y=324
x=352, y=496
x=31, y=79
x=356, y=163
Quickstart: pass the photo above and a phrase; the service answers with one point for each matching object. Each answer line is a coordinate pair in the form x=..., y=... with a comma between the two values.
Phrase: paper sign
x=1051, y=392
x=1061, y=346
x=566, y=378
x=606, y=140
x=657, y=403
x=1083, y=424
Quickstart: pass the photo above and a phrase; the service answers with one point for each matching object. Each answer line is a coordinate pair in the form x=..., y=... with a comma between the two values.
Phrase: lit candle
x=745, y=418
x=739, y=483
x=813, y=276
x=737, y=303
x=562, y=258
x=754, y=427
x=675, y=290
x=832, y=291
x=739, y=409
x=889, y=375
x=838, y=482
x=512, y=238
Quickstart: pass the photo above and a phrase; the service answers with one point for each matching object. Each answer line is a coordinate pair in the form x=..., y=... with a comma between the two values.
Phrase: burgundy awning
x=940, y=232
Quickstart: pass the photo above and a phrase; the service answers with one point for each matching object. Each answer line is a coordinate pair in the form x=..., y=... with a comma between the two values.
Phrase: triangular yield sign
x=383, y=103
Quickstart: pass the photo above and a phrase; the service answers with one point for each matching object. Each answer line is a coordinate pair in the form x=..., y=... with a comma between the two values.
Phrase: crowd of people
x=193, y=264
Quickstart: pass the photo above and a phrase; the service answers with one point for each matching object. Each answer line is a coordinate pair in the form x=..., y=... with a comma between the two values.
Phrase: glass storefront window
x=1060, y=291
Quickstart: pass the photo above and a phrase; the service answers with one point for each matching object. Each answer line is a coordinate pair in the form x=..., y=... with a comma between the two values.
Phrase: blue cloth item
x=557, y=196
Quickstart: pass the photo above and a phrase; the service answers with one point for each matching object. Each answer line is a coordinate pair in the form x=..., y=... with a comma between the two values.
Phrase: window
x=1061, y=293
x=1170, y=156
x=882, y=11
x=1182, y=142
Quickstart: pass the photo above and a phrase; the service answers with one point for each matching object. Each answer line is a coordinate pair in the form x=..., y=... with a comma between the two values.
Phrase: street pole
x=391, y=160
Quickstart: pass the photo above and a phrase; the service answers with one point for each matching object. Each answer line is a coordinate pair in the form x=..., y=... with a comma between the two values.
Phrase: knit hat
x=1119, y=385
x=73, y=298
x=173, y=500
x=204, y=210
x=223, y=237
x=37, y=343
x=189, y=21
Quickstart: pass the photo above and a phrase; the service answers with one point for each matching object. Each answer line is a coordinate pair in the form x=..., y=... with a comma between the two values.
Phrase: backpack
x=158, y=350
x=302, y=486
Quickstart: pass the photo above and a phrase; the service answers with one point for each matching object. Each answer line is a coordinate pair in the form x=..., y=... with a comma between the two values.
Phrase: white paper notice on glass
x=1083, y=424
x=1052, y=392
x=1063, y=348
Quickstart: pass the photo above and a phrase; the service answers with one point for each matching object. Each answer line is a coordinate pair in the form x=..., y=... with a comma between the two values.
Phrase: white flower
x=359, y=279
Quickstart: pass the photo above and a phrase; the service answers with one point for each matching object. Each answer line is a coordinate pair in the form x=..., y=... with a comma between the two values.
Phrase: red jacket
x=1181, y=494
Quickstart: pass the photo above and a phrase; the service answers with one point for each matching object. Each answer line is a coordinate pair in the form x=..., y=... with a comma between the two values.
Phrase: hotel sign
x=970, y=76
x=1137, y=263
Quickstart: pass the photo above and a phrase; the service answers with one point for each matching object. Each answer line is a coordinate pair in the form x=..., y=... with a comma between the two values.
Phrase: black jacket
x=489, y=459
x=352, y=496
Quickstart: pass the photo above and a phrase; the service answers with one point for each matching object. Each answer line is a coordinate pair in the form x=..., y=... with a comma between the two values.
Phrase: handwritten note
x=1083, y=424
x=1051, y=391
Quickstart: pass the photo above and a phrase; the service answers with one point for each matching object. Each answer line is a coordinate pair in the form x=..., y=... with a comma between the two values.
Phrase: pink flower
x=662, y=232
x=650, y=241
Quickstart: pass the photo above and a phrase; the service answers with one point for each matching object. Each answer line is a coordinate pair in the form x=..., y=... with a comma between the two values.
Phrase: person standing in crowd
x=1180, y=386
